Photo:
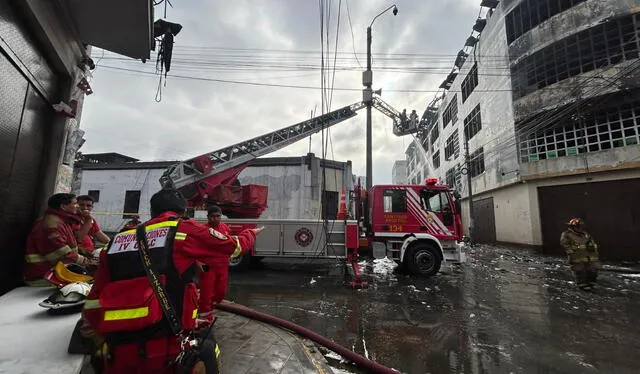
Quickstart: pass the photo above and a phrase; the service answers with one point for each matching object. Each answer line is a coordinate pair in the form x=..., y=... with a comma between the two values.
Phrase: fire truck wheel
x=240, y=263
x=423, y=259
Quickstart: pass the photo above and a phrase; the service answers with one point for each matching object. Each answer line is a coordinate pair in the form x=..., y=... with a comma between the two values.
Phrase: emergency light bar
x=431, y=181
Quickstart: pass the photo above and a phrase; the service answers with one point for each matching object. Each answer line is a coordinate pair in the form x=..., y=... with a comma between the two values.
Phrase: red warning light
x=431, y=181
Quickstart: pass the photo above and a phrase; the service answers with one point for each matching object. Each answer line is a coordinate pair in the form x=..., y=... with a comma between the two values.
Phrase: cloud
x=413, y=50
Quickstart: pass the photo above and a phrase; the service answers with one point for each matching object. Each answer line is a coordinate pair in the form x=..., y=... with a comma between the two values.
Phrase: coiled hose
x=359, y=360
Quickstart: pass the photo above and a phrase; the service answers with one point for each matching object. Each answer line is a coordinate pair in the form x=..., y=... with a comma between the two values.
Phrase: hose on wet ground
x=359, y=360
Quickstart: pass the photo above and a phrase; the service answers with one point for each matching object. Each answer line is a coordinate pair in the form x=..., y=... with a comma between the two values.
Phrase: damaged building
x=546, y=93
x=122, y=186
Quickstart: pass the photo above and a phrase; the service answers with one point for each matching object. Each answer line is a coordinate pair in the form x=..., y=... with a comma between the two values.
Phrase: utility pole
x=367, y=81
x=468, y=167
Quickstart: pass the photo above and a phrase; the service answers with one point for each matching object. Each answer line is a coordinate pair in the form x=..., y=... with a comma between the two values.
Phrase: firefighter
x=582, y=253
x=122, y=313
x=53, y=240
x=213, y=279
x=89, y=230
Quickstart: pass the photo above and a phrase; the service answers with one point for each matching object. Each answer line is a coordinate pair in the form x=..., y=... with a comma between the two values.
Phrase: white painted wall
x=294, y=190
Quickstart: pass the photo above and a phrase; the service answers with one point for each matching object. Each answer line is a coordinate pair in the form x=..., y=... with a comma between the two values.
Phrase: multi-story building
x=399, y=172
x=547, y=95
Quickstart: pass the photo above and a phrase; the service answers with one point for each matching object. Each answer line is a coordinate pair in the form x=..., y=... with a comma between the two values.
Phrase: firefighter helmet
x=575, y=222
x=63, y=274
x=69, y=297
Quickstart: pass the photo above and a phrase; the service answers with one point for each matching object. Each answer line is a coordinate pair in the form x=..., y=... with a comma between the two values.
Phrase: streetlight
x=367, y=95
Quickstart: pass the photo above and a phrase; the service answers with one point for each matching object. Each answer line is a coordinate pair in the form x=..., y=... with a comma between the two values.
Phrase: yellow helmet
x=63, y=274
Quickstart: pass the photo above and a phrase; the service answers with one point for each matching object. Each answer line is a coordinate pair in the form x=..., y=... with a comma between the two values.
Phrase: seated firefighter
x=53, y=240
x=582, y=253
x=141, y=311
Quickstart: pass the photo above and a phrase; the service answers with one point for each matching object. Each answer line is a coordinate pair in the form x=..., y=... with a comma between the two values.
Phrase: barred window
x=452, y=146
x=450, y=114
x=470, y=82
x=473, y=123
x=607, y=128
x=436, y=160
x=476, y=162
x=606, y=44
x=530, y=13
x=451, y=177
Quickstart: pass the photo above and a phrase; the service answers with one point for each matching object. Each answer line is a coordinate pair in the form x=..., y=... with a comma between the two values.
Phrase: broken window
x=611, y=127
x=530, y=13
x=435, y=133
x=473, y=123
x=476, y=162
x=470, y=82
x=452, y=146
x=450, y=114
x=603, y=45
x=436, y=160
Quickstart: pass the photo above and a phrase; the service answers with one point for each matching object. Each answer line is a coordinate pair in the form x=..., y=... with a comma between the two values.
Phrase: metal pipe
x=359, y=360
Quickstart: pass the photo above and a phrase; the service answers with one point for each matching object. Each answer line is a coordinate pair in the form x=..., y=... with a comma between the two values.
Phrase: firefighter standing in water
x=213, y=279
x=122, y=313
x=582, y=252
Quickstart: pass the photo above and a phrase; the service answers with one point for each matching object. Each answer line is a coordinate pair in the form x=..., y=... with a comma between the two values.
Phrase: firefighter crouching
x=123, y=316
x=582, y=252
x=53, y=240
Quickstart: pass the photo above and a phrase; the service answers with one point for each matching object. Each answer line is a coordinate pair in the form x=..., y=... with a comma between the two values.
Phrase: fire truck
x=418, y=226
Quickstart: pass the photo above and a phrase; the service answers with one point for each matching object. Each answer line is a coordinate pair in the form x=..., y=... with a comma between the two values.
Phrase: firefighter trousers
x=585, y=273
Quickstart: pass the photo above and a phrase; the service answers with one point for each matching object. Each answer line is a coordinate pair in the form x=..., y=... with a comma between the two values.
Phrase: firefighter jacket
x=579, y=246
x=122, y=305
x=52, y=239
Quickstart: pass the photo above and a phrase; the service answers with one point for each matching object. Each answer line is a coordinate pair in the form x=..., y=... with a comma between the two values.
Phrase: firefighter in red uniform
x=214, y=278
x=122, y=313
x=52, y=239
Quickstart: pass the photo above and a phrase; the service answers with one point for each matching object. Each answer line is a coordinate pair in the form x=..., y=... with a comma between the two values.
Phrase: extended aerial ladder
x=197, y=177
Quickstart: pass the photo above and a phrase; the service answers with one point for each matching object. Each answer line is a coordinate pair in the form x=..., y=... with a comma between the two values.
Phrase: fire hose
x=304, y=332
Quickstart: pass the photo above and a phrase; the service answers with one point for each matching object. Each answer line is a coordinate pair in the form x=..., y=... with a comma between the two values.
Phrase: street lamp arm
x=384, y=11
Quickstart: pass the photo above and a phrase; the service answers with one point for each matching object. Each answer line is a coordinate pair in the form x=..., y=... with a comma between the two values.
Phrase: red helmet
x=575, y=222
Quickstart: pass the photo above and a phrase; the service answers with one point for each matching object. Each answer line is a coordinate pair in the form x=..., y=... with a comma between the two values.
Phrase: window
x=450, y=114
x=435, y=133
x=473, y=123
x=600, y=46
x=476, y=162
x=530, y=13
x=436, y=160
x=95, y=195
x=395, y=200
x=452, y=146
x=330, y=205
x=470, y=82
x=131, y=204
x=609, y=127
x=452, y=177
x=437, y=201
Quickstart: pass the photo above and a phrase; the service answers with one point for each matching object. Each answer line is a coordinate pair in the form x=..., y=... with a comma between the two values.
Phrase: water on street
x=506, y=311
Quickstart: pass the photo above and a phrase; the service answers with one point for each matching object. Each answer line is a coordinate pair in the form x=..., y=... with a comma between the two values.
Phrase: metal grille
x=613, y=127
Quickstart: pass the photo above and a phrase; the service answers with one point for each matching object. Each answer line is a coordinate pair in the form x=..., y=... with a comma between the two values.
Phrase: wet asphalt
x=505, y=311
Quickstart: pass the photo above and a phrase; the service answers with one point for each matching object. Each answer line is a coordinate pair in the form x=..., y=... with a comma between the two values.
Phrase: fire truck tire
x=422, y=259
x=240, y=263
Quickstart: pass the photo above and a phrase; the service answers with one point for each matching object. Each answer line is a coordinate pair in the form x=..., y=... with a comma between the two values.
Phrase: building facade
x=121, y=186
x=546, y=94
x=45, y=51
x=399, y=172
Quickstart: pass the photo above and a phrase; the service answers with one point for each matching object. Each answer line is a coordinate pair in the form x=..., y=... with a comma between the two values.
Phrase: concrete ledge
x=34, y=341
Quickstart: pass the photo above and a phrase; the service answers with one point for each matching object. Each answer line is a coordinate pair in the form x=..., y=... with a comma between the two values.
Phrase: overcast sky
x=274, y=42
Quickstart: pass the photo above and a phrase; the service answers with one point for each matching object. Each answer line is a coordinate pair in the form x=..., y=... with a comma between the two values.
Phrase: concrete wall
x=399, y=172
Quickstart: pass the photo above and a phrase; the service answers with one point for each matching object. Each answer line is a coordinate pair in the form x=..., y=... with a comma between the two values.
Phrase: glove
x=88, y=261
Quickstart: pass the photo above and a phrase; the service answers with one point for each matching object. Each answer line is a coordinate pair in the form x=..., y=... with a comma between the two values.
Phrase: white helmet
x=70, y=296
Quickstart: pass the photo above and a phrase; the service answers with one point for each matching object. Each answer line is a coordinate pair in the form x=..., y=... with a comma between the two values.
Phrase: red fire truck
x=416, y=225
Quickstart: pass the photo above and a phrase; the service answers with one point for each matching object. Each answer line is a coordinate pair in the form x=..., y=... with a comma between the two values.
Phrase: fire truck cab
x=418, y=226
